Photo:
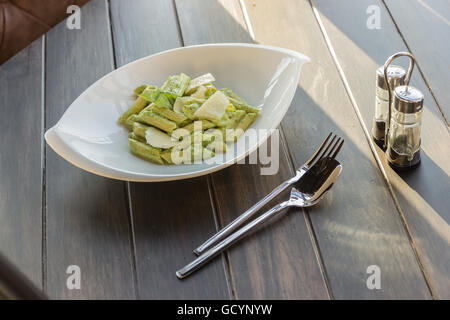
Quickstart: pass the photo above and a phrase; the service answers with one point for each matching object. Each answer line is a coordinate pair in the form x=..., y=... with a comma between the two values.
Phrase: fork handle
x=227, y=242
x=246, y=215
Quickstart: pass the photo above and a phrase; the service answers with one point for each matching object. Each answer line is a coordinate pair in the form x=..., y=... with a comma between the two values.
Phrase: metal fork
x=311, y=188
x=322, y=152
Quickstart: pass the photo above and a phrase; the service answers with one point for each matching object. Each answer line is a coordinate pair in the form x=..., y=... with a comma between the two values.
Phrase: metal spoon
x=313, y=185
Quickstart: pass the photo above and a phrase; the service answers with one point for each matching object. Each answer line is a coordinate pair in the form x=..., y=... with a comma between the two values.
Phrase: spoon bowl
x=315, y=183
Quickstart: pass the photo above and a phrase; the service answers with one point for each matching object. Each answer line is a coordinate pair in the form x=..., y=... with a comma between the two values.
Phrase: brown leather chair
x=22, y=21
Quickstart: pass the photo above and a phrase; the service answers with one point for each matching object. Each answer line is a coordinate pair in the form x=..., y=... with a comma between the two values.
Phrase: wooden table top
x=128, y=239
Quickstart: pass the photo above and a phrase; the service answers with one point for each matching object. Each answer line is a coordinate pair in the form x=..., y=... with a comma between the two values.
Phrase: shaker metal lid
x=408, y=99
x=396, y=77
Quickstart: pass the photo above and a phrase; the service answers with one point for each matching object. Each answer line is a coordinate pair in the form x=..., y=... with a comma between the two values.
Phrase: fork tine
x=334, y=147
x=338, y=149
x=328, y=147
x=316, y=153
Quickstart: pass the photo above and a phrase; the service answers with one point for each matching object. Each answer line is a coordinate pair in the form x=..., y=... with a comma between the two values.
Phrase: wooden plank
x=428, y=39
x=218, y=21
x=278, y=262
x=141, y=28
x=20, y=161
x=357, y=225
x=170, y=218
x=168, y=225
x=87, y=222
x=421, y=193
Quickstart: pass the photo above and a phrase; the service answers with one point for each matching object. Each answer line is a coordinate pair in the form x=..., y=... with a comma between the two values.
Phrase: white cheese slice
x=214, y=107
x=199, y=81
x=200, y=93
x=178, y=105
x=159, y=139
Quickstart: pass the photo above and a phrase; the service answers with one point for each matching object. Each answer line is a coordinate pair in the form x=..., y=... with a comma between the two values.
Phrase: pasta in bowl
x=90, y=136
x=184, y=120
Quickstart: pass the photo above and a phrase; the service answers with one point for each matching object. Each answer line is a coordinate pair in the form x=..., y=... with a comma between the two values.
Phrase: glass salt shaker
x=396, y=77
x=403, y=148
x=404, y=121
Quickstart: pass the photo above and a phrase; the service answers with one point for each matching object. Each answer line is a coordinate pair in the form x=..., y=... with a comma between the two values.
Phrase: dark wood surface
x=269, y=264
x=417, y=192
x=87, y=221
x=20, y=160
x=165, y=235
x=129, y=249
x=355, y=226
x=428, y=38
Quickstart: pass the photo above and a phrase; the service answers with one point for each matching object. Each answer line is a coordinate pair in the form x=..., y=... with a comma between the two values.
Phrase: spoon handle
x=228, y=241
x=240, y=220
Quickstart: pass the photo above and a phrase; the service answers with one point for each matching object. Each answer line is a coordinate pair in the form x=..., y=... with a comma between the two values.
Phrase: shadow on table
x=436, y=198
x=418, y=191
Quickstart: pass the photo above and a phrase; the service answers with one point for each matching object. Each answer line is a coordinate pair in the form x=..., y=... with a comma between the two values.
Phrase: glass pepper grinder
x=396, y=77
x=404, y=121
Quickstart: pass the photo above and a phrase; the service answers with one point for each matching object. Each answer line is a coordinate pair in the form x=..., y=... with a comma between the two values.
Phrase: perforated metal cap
x=396, y=77
x=408, y=99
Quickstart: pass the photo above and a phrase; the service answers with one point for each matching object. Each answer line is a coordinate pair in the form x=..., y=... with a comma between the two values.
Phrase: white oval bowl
x=89, y=136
